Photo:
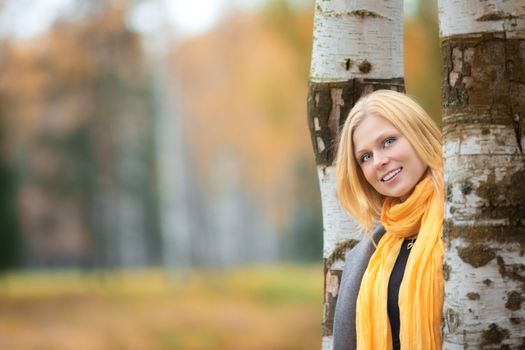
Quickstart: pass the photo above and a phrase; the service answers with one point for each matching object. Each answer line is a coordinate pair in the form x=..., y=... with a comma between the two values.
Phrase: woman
x=389, y=169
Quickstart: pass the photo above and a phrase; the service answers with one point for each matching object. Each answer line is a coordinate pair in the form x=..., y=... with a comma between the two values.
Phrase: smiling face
x=387, y=159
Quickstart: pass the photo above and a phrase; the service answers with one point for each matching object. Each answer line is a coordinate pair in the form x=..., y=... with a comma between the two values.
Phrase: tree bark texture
x=483, y=84
x=357, y=48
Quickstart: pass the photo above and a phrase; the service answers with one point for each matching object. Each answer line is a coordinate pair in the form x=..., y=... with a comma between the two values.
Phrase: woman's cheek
x=369, y=174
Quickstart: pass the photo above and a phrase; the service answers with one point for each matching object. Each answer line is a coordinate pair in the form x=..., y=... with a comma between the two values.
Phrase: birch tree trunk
x=483, y=82
x=357, y=48
x=173, y=171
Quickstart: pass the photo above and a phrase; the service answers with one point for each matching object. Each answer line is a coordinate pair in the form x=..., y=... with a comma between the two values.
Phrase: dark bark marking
x=357, y=13
x=493, y=335
x=465, y=187
x=473, y=296
x=446, y=271
x=518, y=131
x=513, y=272
x=320, y=104
x=340, y=250
x=515, y=71
x=452, y=320
x=335, y=114
x=365, y=67
x=515, y=320
x=495, y=16
x=476, y=78
x=348, y=64
x=329, y=303
x=476, y=255
x=476, y=234
x=514, y=59
x=365, y=13
x=513, y=301
x=504, y=199
x=487, y=282
x=448, y=196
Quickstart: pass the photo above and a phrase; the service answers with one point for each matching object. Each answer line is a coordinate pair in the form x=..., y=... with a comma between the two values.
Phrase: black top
x=393, y=291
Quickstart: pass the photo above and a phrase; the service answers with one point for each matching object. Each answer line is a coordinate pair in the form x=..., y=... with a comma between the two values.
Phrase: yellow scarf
x=421, y=290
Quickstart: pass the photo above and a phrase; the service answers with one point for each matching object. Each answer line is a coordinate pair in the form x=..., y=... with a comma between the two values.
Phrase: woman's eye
x=389, y=141
x=365, y=157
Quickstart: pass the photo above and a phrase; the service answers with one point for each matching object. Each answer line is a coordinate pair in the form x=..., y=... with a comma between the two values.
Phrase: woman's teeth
x=391, y=174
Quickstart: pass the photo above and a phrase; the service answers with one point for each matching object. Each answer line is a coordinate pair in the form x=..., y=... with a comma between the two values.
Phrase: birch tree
x=357, y=48
x=483, y=84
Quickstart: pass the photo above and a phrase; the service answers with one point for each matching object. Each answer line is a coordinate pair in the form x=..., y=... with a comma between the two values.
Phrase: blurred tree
x=10, y=240
x=122, y=204
x=11, y=249
x=78, y=107
x=303, y=242
x=358, y=48
x=483, y=86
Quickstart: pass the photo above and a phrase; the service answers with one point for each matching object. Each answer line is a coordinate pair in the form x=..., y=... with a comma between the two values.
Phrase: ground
x=266, y=308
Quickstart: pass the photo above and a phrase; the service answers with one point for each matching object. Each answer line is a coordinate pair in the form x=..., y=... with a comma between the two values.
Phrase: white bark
x=483, y=159
x=458, y=17
x=357, y=31
x=480, y=159
x=338, y=225
x=328, y=342
x=469, y=288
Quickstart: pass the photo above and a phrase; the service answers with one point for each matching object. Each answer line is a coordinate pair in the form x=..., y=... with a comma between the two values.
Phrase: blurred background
x=158, y=187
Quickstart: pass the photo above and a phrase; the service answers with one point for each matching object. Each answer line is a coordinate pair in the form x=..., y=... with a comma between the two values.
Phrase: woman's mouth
x=391, y=174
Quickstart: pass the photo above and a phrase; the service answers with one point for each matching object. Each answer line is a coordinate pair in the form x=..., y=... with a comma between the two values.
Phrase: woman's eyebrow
x=359, y=152
x=378, y=139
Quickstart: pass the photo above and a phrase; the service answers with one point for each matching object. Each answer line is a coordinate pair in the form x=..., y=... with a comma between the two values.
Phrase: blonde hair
x=355, y=194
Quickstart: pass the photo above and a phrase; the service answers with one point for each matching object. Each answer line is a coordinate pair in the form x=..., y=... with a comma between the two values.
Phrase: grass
x=277, y=307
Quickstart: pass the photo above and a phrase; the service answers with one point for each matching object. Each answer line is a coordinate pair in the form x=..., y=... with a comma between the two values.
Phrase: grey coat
x=344, y=335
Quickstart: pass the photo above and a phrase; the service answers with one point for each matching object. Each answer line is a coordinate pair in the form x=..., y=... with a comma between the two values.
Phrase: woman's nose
x=380, y=160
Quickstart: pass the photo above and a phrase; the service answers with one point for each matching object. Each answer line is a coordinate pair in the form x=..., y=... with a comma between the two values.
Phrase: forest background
x=158, y=183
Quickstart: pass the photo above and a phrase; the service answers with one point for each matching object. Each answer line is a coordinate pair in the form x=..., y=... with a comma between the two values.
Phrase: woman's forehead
x=371, y=129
